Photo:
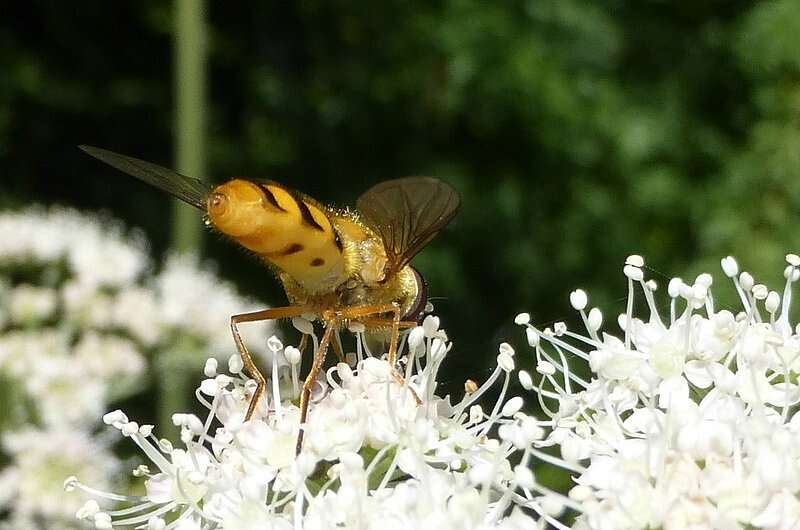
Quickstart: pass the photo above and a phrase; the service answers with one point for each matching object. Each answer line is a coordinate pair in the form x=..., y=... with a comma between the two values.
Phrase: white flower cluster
x=80, y=318
x=372, y=458
x=687, y=421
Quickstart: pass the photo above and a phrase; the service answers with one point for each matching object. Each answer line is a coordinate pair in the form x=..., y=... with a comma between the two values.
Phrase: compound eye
x=416, y=308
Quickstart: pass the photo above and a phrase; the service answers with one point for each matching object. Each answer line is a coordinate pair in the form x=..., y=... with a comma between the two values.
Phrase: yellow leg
x=316, y=365
x=332, y=319
x=247, y=359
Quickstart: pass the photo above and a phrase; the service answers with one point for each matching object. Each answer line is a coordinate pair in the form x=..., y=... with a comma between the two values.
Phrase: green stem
x=190, y=129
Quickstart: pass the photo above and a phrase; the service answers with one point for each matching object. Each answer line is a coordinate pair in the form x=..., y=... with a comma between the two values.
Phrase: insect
x=338, y=265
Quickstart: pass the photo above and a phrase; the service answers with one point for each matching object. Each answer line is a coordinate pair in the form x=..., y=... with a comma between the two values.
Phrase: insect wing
x=187, y=189
x=408, y=213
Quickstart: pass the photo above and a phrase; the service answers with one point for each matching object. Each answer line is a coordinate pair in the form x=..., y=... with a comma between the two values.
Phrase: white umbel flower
x=372, y=457
x=688, y=420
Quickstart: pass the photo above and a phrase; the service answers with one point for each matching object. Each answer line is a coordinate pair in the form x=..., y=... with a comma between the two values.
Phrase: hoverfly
x=338, y=265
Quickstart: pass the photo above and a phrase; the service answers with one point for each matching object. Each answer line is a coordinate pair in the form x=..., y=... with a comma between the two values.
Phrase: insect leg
x=247, y=359
x=316, y=365
x=377, y=323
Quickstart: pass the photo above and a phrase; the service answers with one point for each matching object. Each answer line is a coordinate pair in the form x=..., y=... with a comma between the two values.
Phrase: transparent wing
x=408, y=213
x=185, y=188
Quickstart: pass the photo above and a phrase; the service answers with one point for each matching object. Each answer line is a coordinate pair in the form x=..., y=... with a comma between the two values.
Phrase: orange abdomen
x=291, y=231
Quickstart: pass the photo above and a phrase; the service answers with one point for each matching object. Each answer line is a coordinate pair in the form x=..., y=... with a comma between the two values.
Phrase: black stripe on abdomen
x=305, y=213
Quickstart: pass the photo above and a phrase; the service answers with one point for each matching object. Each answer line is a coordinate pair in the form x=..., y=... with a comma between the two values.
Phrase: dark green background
x=577, y=132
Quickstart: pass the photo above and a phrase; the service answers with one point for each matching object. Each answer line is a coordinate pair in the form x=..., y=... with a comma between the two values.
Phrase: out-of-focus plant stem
x=190, y=94
x=190, y=146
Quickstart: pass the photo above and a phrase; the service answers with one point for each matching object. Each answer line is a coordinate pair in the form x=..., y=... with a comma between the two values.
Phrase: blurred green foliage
x=577, y=132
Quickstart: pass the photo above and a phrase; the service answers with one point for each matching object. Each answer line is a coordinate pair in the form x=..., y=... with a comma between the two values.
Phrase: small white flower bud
x=209, y=387
x=506, y=432
x=194, y=424
x=130, y=428
x=525, y=380
x=578, y=299
x=545, y=368
x=773, y=301
x=633, y=273
x=438, y=349
x=551, y=505
x=475, y=414
x=292, y=354
x=338, y=398
x=704, y=279
x=431, y=325
x=532, y=336
x=729, y=266
x=760, y=291
x=580, y=493
x=146, y=430
x=344, y=371
x=746, y=281
x=522, y=319
x=116, y=418
x=223, y=380
x=71, y=483
x=788, y=271
x=651, y=284
x=793, y=260
x=416, y=337
x=351, y=461
x=559, y=328
x=674, y=287
x=102, y=521
x=89, y=509
x=634, y=260
x=210, y=368
x=506, y=348
x=235, y=364
x=531, y=430
x=595, y=319
x=699, y=292
x=274, y=344
x=303, y=325
x=506, y=362
x=334, y=471
x=512, y=406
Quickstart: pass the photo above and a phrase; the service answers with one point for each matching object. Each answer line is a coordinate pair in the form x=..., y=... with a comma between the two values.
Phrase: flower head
x=372, y=456
x=687, y=420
